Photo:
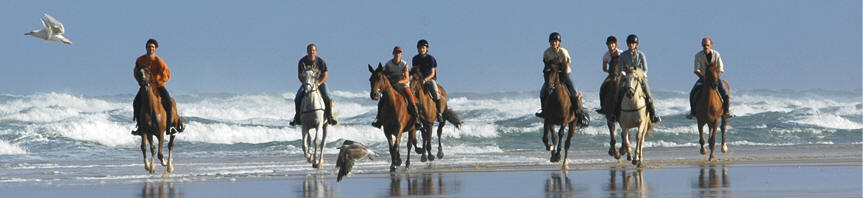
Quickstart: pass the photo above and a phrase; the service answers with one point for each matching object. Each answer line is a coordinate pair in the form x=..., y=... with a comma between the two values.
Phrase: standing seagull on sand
x=52, y=30
x=350, y=152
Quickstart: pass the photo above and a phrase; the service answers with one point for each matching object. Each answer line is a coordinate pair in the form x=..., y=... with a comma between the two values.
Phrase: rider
x=609, y=64
x=428, y=67
x=396, y=70
x=632, y=59
x=160, y=76
x=313, y=62
x=557, y=55
x=702, y=59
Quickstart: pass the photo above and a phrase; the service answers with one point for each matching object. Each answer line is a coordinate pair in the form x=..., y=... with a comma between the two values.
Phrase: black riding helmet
x=422, y=42
x=632, y=38
x=610, y=40
x=554, y=37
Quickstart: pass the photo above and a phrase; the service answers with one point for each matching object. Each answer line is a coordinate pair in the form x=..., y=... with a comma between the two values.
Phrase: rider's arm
x=406, y=76
x=430, y=76
x=323, y=79
x=698, y=66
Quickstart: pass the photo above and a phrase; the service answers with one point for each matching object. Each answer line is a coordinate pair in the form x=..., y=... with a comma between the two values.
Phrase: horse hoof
x=431, y=157
x=315, y=165
x=170, y=169
x=555, y=158
x=398, y=162
x=628, y=157
x=565, y=167
x=440, y=155
x=636, y=162
x=423, y=158
x=392, y=169
x=724, y=148
x=419, y=150
x=703, y=151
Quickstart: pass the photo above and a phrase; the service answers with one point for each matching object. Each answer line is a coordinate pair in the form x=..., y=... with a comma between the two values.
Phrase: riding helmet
x=554, y=37
x=610, y=40
x=632, y=38
x=422, y=42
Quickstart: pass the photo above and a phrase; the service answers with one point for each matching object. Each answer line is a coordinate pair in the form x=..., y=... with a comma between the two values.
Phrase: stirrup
x=295, y=122
x=655, y=119
x=172, y=131
x=690, y=117
x=332, y=121
x=376, y=124
x=538, y=114
x=136, y=132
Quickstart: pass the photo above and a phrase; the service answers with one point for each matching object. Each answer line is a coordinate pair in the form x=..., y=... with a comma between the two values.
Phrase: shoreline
x=833, y=170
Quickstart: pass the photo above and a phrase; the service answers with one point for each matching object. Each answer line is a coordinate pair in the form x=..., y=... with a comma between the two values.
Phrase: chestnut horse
x=395, y=118
x=429, y=115
x=608, y=98
x=151, y=121
x=633, y=114
x=558, y=111
x=708, y=108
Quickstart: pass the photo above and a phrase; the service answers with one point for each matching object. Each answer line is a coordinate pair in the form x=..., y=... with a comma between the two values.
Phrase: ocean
x=59, y=138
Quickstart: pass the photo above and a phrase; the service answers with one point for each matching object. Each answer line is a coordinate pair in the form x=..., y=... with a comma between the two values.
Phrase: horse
x=608, y=98
x=708, y=108
x=429, y=115
x=633, y=115
x=395, y=118
x=151, y=120
x=558, y=110
x=312, y=117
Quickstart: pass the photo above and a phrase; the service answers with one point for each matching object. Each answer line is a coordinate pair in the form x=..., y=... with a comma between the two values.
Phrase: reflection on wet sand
x=419, y=184
x=630, y=185
x=159, y=190
x=556, y=186
x=712, y=185
x=316, y=186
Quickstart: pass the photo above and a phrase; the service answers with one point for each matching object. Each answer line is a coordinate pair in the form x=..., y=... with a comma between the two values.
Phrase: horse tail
x=452, y=117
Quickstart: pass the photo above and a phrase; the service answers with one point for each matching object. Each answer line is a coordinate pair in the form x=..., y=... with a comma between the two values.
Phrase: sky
x=481, y=46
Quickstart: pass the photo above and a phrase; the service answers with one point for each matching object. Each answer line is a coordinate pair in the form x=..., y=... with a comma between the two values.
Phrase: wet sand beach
x=757, y=172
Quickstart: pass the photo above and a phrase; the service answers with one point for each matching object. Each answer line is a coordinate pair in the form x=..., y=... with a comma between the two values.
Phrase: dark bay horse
x=608, y=98
x=151, y=121
x=708, y=108
x=429, y=115
x=558, y=111
x=395, y=118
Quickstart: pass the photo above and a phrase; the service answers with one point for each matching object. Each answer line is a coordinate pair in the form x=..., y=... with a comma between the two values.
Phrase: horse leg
x=152, y=162
x=568, y=141
x=545, y=130
x=322, y=144
x=611, y=151
x=427, y=142
x=413, y=134
x=724, y=147
x=144, y=151
x=701, y=137
x=712, y=139
x=559, y=144
x=642, y=133
x=396, y=144
x=170, y=168
x=392, y=153
x=161, y=144
x=425, y=133
x=306, y=142
x=439, y=144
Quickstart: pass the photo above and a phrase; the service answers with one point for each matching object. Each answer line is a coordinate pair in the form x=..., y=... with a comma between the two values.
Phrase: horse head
x=632, y=82
x=552, y=76
x=145, y=78
x=377, y=81
x=310, y=81
x=711, y=77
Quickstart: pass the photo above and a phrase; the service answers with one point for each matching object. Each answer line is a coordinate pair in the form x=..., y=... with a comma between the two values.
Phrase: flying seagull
x=52, y=30
x=350, y=152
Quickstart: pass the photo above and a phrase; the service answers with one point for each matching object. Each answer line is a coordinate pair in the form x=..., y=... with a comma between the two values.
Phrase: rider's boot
x=653, y=117
x=296, y=120
x=439, y=110
x=329, y=113
x=725, y=107
x=169, y=125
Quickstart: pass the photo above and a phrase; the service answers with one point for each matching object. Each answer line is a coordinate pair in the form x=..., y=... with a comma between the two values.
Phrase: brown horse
x=151, y=121
x=708, y=108
x=395, y=118
x=557, y=110
x=608, y=98
x=429, y=115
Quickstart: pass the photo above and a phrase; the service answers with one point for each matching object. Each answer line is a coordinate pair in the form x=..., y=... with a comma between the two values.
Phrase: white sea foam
x=828, y=121
x=7, y=148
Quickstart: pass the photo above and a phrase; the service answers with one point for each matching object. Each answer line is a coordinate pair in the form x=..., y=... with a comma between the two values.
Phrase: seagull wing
x=53, y=24
x=47, y=29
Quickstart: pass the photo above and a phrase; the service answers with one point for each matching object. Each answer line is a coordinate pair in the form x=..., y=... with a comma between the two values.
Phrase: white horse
x=633, y=115
x=312, y=117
